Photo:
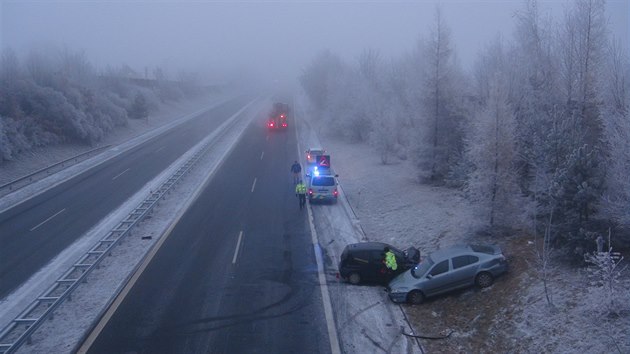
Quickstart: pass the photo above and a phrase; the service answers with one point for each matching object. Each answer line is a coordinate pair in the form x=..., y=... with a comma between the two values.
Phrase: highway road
x=34, y=232
x=236, y=274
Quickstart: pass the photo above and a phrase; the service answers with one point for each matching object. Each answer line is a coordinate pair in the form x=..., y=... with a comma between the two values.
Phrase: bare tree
x=440, y=135
x=544, y=253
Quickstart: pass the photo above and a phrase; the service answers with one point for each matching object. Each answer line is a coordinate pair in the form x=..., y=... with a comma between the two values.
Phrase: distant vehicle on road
x=364, y=262
x=448, y=269
x=278, y=116
x=312, y=153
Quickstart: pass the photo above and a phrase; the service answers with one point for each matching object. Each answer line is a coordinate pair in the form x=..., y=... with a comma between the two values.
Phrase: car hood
x=403, y=280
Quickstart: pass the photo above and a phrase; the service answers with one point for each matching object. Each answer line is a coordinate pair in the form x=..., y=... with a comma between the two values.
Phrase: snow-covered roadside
x=169, y=112
x=511, y=316
x=121, y=141
x=365, y=318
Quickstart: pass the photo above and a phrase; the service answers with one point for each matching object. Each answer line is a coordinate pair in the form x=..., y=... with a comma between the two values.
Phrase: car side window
x=439, y=268
x=361, y=257
x=462, y=261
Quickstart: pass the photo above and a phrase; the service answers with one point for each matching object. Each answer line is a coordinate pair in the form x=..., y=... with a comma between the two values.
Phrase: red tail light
x=310, y=191
x=335, y=192
x=284, y=125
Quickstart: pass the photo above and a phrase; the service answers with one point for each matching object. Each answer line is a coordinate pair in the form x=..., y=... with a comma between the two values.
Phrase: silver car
x=448, y=269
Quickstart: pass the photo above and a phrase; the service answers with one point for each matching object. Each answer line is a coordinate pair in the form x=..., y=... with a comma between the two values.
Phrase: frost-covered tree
x=604, y=273
x=57, y=97
x=139, y=108
x=440, y=134
x=533, y=92
x=616, y=202
x=317, y=79
x=583, y=42
x=385, y=133
x=492, y=184
x=577, y=186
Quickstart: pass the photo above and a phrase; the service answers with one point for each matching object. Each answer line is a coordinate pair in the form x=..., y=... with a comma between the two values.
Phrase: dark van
x=363, y=262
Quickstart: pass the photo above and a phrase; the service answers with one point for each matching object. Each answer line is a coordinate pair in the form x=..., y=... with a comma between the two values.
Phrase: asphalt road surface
x=34, y=232
x=237, y=274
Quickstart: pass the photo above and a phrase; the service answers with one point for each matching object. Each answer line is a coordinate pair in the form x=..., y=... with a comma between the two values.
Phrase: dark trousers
x=302, y=198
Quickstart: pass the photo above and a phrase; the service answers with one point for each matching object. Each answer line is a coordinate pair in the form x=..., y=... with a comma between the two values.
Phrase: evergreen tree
x=577, y=186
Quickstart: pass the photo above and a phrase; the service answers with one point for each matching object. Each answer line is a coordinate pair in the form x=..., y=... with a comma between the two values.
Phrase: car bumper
x=397, y=297
x=322, y=197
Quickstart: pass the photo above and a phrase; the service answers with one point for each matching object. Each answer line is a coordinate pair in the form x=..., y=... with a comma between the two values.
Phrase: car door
x=377, y=267
x=463, y=271
x=437, y=279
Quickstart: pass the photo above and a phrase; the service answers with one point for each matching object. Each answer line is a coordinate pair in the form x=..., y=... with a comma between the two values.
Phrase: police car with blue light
x=322, y=181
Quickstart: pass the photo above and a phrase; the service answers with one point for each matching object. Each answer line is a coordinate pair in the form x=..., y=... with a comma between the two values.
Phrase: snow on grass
x=512, y=315
x=387, y=204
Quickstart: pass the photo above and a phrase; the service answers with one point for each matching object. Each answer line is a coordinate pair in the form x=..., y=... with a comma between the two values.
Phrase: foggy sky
x=275, y=39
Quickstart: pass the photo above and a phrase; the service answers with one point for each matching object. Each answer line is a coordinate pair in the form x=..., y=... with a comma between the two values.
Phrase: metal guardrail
x=19, y=331
x=22, y=181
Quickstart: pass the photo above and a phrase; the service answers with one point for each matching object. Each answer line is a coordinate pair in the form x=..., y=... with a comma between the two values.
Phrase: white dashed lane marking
x=238, y=245
x=47, y=220
x=120, y=174
x=254, y=185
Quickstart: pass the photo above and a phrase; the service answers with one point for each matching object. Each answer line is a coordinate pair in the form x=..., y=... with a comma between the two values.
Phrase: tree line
x=57, y=96
x=537, y=134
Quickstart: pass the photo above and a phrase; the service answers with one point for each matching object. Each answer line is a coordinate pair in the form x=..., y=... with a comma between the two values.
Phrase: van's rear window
x=324, y=181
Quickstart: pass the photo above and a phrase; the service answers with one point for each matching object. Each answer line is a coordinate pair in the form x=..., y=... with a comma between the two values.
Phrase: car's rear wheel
x=484, y=280
x=354, y=278
x=415, y=297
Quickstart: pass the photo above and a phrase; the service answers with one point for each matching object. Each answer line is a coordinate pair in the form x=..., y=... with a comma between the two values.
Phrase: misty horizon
x=268, y=40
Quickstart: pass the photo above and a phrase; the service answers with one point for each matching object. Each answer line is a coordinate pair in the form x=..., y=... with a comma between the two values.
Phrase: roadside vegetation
x=536, y=135
x=54, y=97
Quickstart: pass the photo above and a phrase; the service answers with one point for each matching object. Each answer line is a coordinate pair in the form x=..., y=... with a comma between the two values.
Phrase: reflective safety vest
x=390, y=260
x=300, y=188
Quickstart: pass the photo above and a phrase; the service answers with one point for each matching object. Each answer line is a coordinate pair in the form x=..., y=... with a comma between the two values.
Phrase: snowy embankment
x=511, y=316
x=366, y=320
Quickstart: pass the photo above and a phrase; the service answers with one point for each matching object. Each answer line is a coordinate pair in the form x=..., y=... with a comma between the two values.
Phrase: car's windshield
x=422, y=268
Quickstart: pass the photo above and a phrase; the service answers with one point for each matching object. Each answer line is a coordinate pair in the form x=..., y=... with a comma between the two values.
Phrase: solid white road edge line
x=323, y=284
x=254, y=184
x=87, y=343
x=47, y=220
x=120, y=174
x=238, y=245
